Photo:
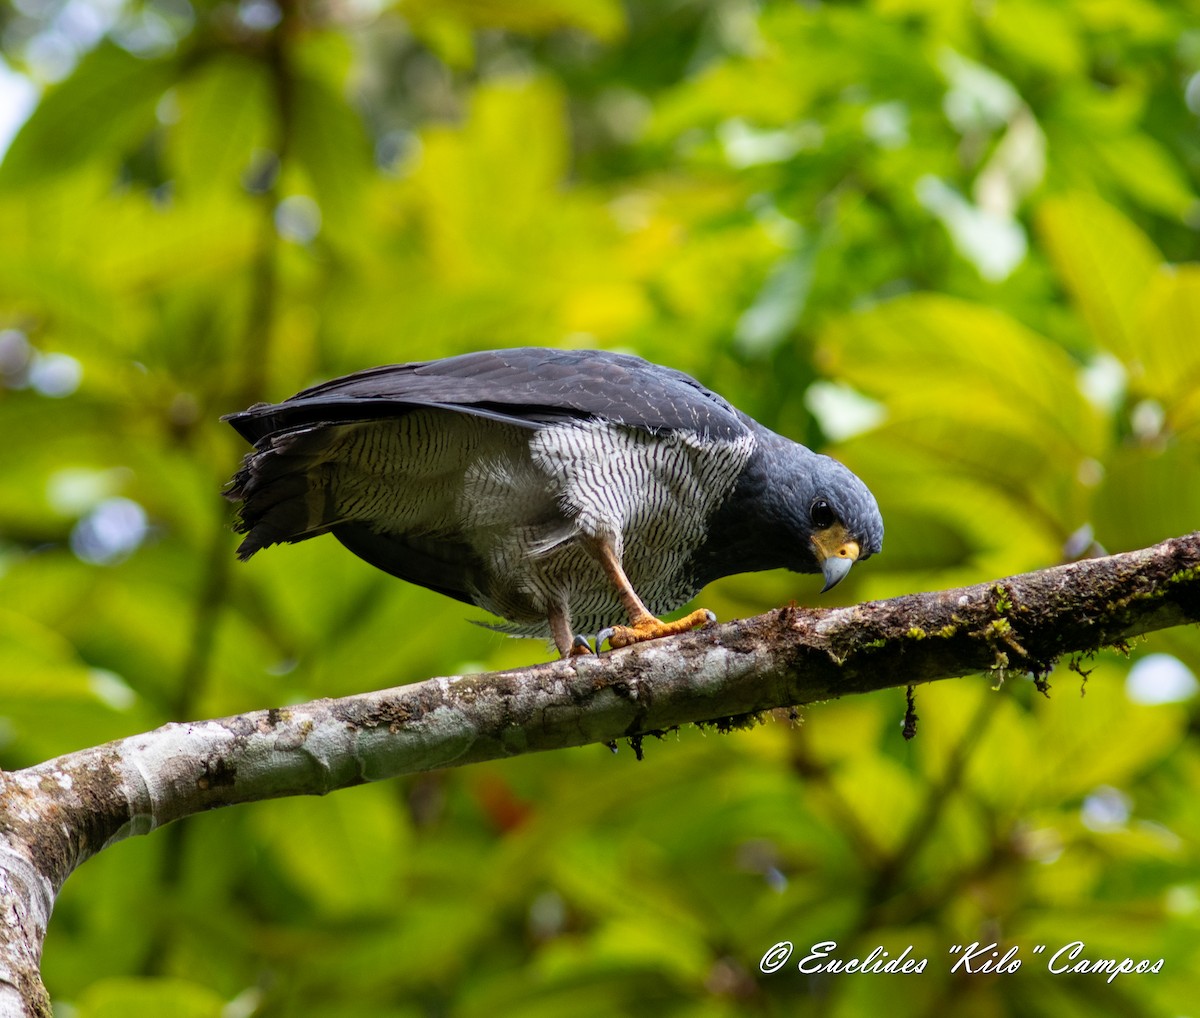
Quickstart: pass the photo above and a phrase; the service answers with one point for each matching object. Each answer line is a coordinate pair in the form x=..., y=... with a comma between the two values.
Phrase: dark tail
x=284, y=489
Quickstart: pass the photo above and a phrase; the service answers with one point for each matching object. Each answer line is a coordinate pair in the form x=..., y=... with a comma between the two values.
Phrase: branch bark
x=56, y=815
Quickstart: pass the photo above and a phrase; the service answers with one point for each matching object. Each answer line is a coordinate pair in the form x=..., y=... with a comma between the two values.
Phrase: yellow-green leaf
x=1105, y=261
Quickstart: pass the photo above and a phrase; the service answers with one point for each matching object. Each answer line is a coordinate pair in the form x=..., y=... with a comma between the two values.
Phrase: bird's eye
x=821, y=514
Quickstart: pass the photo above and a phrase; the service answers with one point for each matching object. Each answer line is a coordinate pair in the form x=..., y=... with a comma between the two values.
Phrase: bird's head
x=839, y=518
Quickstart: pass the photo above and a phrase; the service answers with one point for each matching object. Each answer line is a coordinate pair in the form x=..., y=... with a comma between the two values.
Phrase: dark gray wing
x=528, y=386
x=446, y=566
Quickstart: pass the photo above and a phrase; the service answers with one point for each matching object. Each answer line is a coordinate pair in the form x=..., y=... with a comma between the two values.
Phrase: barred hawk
x=565, y=491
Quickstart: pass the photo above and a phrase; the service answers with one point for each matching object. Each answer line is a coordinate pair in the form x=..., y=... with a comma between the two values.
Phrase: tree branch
x=59, y=813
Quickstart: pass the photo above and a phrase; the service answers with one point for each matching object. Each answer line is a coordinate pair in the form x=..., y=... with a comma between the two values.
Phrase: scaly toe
x=650, y=628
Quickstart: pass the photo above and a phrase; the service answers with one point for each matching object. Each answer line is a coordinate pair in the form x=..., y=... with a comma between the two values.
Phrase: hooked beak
x=835, y=570
x=837, y=552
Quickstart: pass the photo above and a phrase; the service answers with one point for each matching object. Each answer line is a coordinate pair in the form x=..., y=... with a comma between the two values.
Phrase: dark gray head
x=793, y=509
x=842, y=523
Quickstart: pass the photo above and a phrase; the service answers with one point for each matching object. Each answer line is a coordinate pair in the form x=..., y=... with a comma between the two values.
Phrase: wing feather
x=528, y=386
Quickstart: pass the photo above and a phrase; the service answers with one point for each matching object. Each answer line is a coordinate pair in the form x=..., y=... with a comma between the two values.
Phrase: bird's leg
x=642, y=625
x=560, y=629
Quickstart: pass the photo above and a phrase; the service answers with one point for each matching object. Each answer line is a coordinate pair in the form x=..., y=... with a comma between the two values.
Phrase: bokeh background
x=950, y=242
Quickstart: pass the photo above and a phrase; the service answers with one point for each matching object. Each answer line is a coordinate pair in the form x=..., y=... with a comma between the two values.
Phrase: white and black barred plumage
x=495, y=477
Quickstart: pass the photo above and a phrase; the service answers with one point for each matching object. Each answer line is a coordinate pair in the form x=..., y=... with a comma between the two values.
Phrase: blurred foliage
x=947, y=241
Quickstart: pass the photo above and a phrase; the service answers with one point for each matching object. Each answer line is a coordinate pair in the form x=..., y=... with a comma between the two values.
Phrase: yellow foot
x=649, y=628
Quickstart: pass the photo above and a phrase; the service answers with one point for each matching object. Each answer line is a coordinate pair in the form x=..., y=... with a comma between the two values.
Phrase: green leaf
x=342, y=852
x=1074, y=733
x=871, y=786
x=38, y=278
x=152, y=247
x=1038, y=34
x=1149, y=173
x=604, y=19
x=331, y=144
x=41, y=676
x=98, y=112
x=1105, y=261
x=481, y=188
x=146, y=997
x=970, y=393
x=935, y=358
x=779, y=305
x=1168, y=363
x=1150, y=492
x=224, y=110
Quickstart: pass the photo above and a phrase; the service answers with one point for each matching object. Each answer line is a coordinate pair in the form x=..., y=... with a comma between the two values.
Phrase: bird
x=566, y=492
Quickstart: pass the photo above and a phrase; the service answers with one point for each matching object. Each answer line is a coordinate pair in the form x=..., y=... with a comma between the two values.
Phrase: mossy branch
x=57, y=814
